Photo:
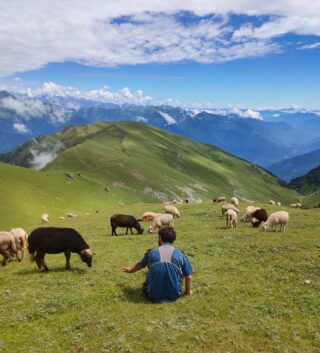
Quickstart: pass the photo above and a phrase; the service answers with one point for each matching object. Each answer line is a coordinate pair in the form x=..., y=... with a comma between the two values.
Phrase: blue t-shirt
x=167, y=267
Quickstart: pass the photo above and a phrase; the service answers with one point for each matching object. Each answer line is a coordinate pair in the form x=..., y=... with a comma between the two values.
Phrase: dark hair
x=167, y=234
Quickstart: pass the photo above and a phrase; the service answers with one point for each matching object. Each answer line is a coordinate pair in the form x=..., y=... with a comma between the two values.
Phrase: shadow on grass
x=79, y=271
x=134, y=294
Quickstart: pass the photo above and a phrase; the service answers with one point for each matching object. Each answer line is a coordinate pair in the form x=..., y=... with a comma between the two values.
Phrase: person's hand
x=126, y=269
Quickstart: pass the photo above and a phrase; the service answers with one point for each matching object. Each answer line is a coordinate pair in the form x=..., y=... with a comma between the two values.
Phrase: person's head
x=167, y=235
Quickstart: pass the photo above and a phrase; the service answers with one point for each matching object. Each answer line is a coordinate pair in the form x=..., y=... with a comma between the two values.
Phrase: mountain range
x=263, y=137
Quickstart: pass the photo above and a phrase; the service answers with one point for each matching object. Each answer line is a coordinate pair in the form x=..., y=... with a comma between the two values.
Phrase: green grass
x=249, y=292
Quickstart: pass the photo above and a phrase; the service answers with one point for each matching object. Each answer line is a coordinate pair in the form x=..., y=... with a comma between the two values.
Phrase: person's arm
x=188, y=289
x=133, y=269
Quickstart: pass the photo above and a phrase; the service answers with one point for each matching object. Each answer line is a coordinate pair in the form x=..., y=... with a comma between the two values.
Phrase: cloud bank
x=123, y=32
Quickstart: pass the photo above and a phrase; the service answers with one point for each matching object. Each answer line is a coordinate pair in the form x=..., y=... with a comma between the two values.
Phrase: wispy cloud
x=45, y=153
x=124, y=32
x=311, y=46
x=21, y=128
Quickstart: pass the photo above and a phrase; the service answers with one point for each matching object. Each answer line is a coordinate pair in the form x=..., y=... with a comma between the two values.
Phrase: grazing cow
x=52, y=240
x=124, y=221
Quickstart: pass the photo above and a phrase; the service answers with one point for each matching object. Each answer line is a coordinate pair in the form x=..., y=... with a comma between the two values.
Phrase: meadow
x=249, y=290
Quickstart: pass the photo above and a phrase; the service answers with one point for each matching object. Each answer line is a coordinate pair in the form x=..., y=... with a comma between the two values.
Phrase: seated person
x=167, y=268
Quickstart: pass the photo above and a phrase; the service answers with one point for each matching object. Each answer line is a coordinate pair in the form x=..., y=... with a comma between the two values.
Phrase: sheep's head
x=266, y=227
x=150, y=229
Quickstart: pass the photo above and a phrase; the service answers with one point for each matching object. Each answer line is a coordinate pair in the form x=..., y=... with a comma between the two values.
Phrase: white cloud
x=21, y=128
x=311, y=46
x=28, y=107
x=248, y=113
x=141, y=119
x=97, y=33
x=168, y=118
x=44, y=154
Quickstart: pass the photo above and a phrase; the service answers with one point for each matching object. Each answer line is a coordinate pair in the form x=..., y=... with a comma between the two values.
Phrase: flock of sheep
x=14, y=243
x=256, y=215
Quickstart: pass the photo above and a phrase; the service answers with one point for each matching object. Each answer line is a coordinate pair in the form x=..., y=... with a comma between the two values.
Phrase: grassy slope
x=26, y=194
x=312, y=200
x=308, y=183
x=249, y=292
x=140, y=156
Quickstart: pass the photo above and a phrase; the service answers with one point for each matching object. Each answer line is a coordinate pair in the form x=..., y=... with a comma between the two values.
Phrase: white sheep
x=61, y=218
x=296, y=205
x=248, y=213
x=231, y=219
x=280, y=218
x=271, y=202
x=161, y=221
x=279, y=203
x=234, y=201
x=172, y=210
x=227, y=207
x=8, y=245
x=21, y=239
x=45, y=218
x=148, y=216
x=71, y=215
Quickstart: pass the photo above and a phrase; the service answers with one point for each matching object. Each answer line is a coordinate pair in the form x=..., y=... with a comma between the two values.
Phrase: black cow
x=52, y=240
x=127, y=221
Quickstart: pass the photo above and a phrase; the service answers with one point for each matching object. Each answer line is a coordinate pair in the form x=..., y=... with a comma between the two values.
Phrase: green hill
x=307, y=183
x=107, y=164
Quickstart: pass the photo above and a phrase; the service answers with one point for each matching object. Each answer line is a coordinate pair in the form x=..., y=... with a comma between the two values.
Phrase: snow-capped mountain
x=263, y=137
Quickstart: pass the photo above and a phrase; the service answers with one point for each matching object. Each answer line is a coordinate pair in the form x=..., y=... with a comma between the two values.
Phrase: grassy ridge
x=249, y=292
x=150, y=164
x=141, y=163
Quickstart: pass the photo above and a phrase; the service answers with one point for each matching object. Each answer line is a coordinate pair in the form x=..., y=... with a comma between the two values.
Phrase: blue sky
x=195, y=53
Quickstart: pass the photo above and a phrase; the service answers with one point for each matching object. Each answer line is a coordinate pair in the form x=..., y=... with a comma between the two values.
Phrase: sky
x=191, y=53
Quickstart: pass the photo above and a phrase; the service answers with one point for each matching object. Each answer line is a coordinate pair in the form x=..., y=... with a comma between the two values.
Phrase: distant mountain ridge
x=270, y=137
x=307, y=183
x=296, y=166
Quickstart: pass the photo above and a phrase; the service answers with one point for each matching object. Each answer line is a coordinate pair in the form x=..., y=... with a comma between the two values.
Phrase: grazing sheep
x=258, y=217
x=61, y=218
x=280, y=218
x=227, y=207
x=51, y=240
x=172, y=210
x=234, y=201
x=231, y=219
x=124, y=221
x=21, y=239
x=278, y=203
x=271, y=202
x=161, y=221
x=45, y=218
x=248, y=213
x=296, y=205
x=7, y=244
x=148, y=216
x=71, y=215
x=219, y=199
